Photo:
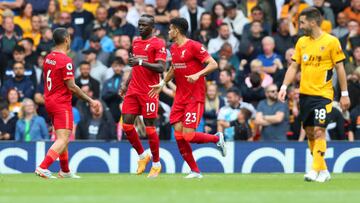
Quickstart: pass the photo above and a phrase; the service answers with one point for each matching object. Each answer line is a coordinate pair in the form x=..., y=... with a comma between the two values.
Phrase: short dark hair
x=116, y=20
x=312, y=13
x=84, y=63
x=227, y=71
x=255, y=79
x=23, y=65
x=31, y=41
x=257, y=8
x=223, y=24
x=59, y=35
x=4, y=105
x=234, y=90
x=119, y=61
x=149, y=16
x=19, y=48
x=181, y=24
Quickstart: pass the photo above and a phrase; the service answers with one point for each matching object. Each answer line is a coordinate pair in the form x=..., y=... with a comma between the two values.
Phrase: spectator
x=206, y=30
x=64, y=21
x=30, y=127
x=241, y=126
x=125, y=42
x=124, y=55
x=66, y=6
x=213, y=103
x=226, y=81
x=250, y=45
x=107, y=45
x=21, y=83
x=9, y=38
x=224, y=36
x=271, y=61
x=7, y=122
x=94, y=43
x=86, y=79
x=348, y=40
x=255, y=92
x=247, y=7
x=46, y=43
x=30, y=54
x=13, y=98
x=283, y=38
x=162, y=16
x=294, y=113
x=39, y=68
x=354, y=61
x=353, y=12
x=218, y=13
x=354, y=87
x=230, y=112
x=354, y=130
x=82, y=106
x=327, y=12
x=272, y=116
x=100, y=21
x=136, y=9
x=257, y=14
x=235, y=19
x=99, y=126
x=111, y=88
x=24, y=19
x=80, y=19
x=11, y=4
x=335, y=129
x=192, y=13
x=35, y=33
x=53, y=12
x=98, y=69
x=341, y=30
x=9, y=13
x=292, y=11
x=257, y=67
x=124, y=27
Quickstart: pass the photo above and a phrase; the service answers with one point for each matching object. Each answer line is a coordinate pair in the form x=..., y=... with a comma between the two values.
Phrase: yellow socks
x=319, y=149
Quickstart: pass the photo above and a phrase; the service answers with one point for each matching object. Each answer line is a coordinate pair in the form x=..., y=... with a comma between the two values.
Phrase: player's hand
x=122, y=91
x=345, y=103
x=282, y=95
x=133, y=61
x=96, y=105
x=155, y=90
x=192, y=78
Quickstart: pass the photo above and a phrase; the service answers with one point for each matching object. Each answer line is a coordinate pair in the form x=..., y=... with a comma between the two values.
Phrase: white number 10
x=150, y=107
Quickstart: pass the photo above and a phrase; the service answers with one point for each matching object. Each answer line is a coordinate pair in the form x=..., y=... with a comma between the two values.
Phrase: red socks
x=199, y=138
x=51, y=156
x=133, y=137
x=186, y=152
x=153, y=142
x=64, y=161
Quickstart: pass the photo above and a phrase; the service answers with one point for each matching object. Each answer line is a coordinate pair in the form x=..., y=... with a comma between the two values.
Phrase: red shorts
x=140, y=104
x=61, y=118
x=189, y=114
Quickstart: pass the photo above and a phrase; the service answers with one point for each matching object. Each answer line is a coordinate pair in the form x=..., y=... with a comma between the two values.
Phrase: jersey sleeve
x=297, y=55
x=200, y=52
x=337, y=55
x=67, y=69
x=160, y=51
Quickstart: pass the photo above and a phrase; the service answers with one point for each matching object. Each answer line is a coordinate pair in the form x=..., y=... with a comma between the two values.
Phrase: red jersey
x=150, y=50
x=58, y=67
x=189, y=59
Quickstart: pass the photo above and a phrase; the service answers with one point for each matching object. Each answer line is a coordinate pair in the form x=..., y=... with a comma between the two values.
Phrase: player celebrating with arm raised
x=188, y=59
x=148, y=61
x=59, y=87
x=316, y=54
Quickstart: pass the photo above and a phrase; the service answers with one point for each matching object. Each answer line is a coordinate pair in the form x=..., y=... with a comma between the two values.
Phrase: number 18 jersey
x=58, y=67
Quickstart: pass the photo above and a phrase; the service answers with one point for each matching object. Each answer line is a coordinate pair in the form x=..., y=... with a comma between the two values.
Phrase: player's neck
x=316, y=33
x=181, y=40
x=61, y=49
x=146, y=37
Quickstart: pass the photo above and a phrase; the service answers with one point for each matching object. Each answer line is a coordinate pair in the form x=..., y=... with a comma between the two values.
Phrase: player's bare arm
x=158, y=67
x=210, y=67
x=344, y=99
x=289, y=77
x=70, y=83
x=156, y=89
x=125, y=86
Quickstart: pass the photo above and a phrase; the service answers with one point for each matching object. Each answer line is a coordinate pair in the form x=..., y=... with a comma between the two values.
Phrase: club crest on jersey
x=322, y=48
x=305, y=57
x=183, y=53
x=163, y=50
x=147, y=47
x=202, y=50
x=69, y=66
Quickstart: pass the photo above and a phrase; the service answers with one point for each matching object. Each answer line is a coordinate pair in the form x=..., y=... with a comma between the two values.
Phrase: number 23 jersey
x=58, y=67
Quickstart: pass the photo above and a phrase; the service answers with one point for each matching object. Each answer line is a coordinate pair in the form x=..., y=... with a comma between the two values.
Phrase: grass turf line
x=173, y=188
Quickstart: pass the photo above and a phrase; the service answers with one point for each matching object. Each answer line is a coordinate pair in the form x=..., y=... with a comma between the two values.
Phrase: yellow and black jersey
x=317, y=58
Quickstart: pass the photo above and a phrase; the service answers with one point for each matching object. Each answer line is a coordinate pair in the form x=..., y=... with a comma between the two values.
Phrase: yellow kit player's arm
x=289, y=77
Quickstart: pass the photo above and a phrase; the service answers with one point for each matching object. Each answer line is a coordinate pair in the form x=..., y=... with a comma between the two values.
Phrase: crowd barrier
x=242, y=157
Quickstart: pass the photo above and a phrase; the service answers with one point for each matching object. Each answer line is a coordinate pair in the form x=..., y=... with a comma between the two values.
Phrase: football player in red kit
x=59, y=87
x=188, y=59
x=148, y=62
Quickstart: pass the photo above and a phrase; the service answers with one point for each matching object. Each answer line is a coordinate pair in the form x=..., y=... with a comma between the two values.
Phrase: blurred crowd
x=252, y=41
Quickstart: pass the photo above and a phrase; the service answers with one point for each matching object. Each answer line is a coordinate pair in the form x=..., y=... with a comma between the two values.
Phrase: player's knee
x=189, y=136
x=127, y=127
x=319, y=133
x=150, y=130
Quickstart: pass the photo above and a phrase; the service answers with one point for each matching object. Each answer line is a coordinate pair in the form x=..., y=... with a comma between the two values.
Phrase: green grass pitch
x=173, y=188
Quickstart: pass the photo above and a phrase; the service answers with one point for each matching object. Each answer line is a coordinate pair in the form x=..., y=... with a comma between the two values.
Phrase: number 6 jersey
x=58, y=67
